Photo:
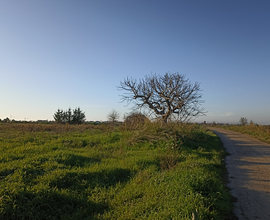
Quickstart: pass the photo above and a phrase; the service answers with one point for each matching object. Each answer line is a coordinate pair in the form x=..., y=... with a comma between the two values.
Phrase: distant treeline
x=69, y=116
x=7, y=120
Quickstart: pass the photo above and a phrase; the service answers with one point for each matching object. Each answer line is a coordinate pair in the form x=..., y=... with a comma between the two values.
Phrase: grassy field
x=261, y=132
x=153, y=171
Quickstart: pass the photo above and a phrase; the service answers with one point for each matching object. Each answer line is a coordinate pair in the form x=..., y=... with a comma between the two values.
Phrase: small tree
x=243, y=121
x=113, y=116
x=59, y=116
x=68, y=117
x=168, y=95
x=6, y=120
x=78, y=116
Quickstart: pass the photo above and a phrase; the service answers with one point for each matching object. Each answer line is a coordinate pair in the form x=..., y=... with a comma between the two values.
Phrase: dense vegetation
x=69, y=116
x=110, y=171
x=261, y=132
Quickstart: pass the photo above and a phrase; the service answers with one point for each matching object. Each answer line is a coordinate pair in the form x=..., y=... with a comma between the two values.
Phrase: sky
x=61, y=54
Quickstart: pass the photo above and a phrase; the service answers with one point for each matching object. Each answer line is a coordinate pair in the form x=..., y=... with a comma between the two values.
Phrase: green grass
x=158, y=171
x=261, y=132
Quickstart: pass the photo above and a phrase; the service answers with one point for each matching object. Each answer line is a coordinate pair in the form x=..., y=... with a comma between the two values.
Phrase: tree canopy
x=168, y=96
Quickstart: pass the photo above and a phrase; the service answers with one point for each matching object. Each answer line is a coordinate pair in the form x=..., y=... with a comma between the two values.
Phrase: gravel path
x=248, y=166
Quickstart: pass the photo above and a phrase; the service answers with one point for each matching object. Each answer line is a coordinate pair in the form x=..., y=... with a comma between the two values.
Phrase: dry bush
x=169, y=161
x=134, y=121
x=154, y=131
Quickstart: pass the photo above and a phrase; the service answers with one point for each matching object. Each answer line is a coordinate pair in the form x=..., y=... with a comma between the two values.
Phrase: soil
x=248, y=166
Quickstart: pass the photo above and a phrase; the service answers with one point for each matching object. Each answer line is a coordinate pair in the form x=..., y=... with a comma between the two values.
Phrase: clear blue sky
x=60, y=54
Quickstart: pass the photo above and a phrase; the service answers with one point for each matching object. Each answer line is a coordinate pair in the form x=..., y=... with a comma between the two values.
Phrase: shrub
x=135, y=120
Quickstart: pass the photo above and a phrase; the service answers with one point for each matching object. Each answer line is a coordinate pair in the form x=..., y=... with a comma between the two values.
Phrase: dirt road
x=248, y=166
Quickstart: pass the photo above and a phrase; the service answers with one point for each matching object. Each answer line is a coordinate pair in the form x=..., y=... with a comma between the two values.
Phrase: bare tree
x=243, y=121
x=113, y=116
x=167, y=96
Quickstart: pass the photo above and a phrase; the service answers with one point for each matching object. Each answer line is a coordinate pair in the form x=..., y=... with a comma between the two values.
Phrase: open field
x=261, y=132
x=153, y=171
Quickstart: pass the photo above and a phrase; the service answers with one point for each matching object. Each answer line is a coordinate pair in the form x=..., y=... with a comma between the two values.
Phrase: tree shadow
x=66, y=197
x=6, y=172
x=50, y=204
x=81, y=161
x=80, y=181
x=33, y=170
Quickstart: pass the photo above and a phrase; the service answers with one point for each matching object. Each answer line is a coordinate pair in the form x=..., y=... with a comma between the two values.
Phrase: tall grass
x=261, y=132
x=156, y=171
